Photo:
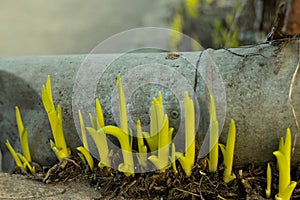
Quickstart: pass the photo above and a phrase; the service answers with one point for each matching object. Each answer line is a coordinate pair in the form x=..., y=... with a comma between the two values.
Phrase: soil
x=71, y=179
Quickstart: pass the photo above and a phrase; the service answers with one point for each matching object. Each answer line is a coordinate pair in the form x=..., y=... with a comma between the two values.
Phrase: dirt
x=76, y=181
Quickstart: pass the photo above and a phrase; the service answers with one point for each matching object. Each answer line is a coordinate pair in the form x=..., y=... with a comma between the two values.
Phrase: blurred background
x=43, y=27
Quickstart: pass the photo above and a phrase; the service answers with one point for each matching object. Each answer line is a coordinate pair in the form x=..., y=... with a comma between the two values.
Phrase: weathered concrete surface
x=257, y=90
x=256, y=80
x=19, y=187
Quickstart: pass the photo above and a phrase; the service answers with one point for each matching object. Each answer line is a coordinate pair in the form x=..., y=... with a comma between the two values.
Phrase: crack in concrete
x=196, y=72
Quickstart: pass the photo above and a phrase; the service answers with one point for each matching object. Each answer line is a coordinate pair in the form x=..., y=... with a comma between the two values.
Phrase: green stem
x=23, y=135
x=123, y=114
x=228, y=153
x=55, y=119
x=269, y=181
x=83, y=132
x=87, y=156
x=283, y=155
x=128, y=166
x=142, y=156
x=161, y=160
x=99, y=113
x=214, y=138
x=156, y=122
x=14, y=154
x=187, y=160
x=100, y=140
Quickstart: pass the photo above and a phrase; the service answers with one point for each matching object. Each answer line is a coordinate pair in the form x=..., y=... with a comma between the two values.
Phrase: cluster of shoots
x=23, y=161
x=283, y=156
x=227, y=151
x=59, y=145
x=155, y=146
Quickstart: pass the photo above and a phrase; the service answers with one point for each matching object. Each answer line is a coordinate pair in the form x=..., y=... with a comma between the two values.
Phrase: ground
x=76, y=182
x=14, y=186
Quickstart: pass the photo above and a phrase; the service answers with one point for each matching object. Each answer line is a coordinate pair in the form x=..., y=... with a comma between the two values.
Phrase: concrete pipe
x=250, y=84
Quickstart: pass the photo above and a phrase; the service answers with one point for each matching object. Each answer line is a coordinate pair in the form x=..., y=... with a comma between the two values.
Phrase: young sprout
x=86, y=156
x=100, y=140
x=269, y=181
x=83, y=132
x=142, y=156
x=173, y=158
x=84, y=150
x=160, y=135
x=15, y=156
x=122, y=134
x=283, y=155
x=123, y=112
x=55, y=118
x=156, y=122
x=23, y=135
x=99, y=113
x=188, y=158
x=26, y=163
x=128, y=166
x=161, y=160
x=280, y=148
x=22, y=161
x=228, y=152
x=214, y=137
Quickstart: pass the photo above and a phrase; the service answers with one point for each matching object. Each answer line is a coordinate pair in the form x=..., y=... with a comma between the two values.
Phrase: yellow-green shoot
x=187, y=160
x=122, y=134
x=157, y=116
x=214, y=137
x=99, y=136
x=122, y=102
x=22, y=161
x=23, y=132
x=26, y=164
x=101, y=143
x=15, y=156
x=280, y=148
x=160, y=135
x=173, y=158
x=86, y=157
x=283, y=155
x=59, y=145
x=269, y=181
x=127, y=167
x=228, y=152
x=84, y=150
x=161, y=160
x=142, y=156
